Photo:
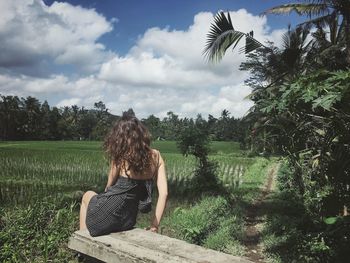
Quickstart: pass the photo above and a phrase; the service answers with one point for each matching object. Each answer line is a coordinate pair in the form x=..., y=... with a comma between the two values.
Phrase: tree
x=171, y=126
x=269, y=69
x=194, y=139
x=320, y=13
x=101, y=128
x=10, y=117
x=32, y=109
x=100, y=106
x=54, y=120
x=45, y=121
x=222, y=35
x=154, y=126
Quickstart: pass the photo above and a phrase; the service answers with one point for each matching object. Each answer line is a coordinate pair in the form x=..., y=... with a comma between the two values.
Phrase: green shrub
x=226, y=237
x=37, y=233
x=291, y=233
x=194, y=224
x=212, y=223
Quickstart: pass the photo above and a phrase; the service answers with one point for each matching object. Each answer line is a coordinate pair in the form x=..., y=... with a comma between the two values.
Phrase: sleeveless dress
x=117, y=208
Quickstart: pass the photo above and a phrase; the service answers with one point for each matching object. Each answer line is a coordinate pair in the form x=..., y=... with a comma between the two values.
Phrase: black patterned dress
x=117, y=208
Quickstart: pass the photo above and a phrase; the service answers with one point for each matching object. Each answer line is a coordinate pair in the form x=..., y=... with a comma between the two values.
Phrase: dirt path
x=254, y=219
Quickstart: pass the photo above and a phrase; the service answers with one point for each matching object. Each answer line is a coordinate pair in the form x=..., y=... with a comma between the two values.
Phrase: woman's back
x=149, y=172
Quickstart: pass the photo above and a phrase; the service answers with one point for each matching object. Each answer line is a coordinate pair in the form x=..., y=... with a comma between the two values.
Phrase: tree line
x=29, y=119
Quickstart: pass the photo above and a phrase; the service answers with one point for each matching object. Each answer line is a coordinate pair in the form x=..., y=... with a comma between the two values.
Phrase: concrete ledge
x=139, y=245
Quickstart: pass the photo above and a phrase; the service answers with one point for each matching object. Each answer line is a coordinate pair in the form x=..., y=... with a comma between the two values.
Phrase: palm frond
x=222, y=35
x=321, y=21
x=312, y=9
x=251, y=43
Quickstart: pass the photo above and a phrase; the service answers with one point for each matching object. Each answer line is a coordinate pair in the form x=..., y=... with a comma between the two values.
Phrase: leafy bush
x=37, y=233
x=195, y=140
x=226, y=237
x=194, y=224
x=292, y=234
x=211, y=222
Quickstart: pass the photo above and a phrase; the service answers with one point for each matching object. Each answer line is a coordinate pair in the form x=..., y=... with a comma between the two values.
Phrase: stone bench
x=139, y=245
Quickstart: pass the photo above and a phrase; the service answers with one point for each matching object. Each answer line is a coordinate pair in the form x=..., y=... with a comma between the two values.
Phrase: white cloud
x=25, y=86
x=69, y=102
x=172, y=60
x=165, y=69
x=31, y=32
x=165, y=58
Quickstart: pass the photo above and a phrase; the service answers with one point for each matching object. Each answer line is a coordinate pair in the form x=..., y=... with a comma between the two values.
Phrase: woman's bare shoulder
x=156, y=155
x=155, y=152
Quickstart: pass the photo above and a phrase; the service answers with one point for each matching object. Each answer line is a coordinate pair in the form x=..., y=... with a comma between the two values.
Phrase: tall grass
x=39, y=182
x=32, y=170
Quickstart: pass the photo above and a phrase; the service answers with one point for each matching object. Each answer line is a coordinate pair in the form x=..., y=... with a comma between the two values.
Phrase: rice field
x=33, y=170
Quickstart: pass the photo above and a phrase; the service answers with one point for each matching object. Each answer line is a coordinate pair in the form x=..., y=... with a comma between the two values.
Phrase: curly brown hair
x=128, y=145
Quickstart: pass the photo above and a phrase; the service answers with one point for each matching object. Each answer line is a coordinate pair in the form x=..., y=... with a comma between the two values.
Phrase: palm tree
x=32, y=109
x=222, y=35
x=320, y=12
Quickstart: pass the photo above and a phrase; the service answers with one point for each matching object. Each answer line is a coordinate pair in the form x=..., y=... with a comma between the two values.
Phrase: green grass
x=60, y=171
x=217, y=147
x=211, y=222
x=254, y=179
x=32, y=170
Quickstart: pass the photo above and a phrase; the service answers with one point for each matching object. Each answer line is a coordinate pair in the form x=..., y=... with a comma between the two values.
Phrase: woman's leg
x=83, y=208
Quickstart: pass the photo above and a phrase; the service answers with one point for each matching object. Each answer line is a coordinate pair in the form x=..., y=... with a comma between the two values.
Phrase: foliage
x=222, y=35
x=293, y=235
x=321, y=13
x=312, y=118
x=301, y=97
x=37, y=233
x=211, y=222
x=40, y=178
x=227, y=236
x=28, y=119
x=194, y=140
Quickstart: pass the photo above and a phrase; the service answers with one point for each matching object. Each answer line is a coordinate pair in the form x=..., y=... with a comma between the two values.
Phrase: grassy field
x=41, y=184
x=32, y=170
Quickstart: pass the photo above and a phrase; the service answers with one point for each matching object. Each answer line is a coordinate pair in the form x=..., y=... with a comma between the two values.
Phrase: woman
x=133, y=168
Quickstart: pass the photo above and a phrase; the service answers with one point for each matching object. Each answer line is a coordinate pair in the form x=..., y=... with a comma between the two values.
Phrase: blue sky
x=140, y=54
x=136, y=16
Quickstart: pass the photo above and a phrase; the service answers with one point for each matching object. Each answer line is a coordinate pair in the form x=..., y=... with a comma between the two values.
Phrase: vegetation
x=37, y=233
x=293, y=235
x=212, y=222
x=42, y=182
x=301, y=96
x=300, y=93
x=194, y=140
x=28, y=119
x=333, y=15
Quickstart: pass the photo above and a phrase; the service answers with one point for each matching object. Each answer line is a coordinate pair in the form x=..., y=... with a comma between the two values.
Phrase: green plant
x=37, y=233
x=194, y=140
x=211, y=222
x=194, y=224
x=227, y=236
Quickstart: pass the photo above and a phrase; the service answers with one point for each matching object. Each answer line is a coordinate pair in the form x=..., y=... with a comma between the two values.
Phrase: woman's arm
x=112, y=176
x=162, y=186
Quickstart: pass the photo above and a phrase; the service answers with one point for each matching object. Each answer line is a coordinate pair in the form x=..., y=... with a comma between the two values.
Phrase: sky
x=145, y=55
